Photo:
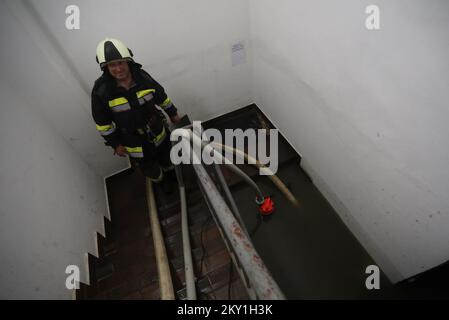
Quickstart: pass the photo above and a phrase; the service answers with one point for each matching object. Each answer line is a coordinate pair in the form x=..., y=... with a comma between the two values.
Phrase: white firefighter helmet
x=111, y=50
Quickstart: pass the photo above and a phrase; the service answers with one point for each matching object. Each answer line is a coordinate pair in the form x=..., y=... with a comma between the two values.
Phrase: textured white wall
x=368, y=112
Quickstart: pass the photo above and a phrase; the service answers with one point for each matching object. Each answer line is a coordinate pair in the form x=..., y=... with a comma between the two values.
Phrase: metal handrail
x=186, y=246
x=260, y=278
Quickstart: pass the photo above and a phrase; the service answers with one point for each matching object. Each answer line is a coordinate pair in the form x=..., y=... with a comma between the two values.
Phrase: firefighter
x=124, y=101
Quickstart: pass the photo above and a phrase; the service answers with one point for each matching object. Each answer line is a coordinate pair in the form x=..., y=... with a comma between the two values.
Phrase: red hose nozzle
x=267, y=207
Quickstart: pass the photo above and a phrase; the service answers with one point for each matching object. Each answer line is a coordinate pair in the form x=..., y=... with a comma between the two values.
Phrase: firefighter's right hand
x=120, y=151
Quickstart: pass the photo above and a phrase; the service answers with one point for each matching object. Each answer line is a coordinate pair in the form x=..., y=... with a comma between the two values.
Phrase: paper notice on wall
x=238, y=53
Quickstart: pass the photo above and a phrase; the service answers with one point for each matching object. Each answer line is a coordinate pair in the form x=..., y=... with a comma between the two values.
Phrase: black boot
x=166, y=185
x=171, y=175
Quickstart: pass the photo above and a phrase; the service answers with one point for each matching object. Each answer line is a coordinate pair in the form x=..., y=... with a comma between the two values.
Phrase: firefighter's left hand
x=175, y=119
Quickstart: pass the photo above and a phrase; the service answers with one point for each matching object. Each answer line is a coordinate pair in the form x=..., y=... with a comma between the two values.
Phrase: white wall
x=185, y=45
x=52, y=204
x=369, y=115
x=368, y=112
x=35, y=65
x=53, y=160
x=53, y=201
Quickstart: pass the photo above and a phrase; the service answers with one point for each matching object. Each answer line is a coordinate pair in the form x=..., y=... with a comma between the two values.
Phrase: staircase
x=309, y=251
x=126, y=267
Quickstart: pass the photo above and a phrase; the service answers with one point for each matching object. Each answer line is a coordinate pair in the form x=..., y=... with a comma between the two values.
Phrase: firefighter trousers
x=156, y=159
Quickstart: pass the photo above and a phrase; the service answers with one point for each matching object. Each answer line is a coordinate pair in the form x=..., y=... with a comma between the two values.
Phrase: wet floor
x=309, y=250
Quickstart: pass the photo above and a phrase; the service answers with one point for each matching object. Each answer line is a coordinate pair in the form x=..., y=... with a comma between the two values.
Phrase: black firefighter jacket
x=124, y=116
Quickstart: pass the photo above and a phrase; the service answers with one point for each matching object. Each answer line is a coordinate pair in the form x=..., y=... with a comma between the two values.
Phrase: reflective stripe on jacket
x=120, y=114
